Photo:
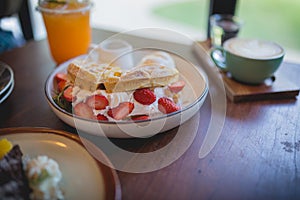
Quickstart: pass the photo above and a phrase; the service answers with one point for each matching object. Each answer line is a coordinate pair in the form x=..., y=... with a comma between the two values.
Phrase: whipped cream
x=44, y=176
x=116, y=98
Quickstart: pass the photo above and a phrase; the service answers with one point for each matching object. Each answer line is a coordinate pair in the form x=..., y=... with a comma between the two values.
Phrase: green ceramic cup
x=249, y=61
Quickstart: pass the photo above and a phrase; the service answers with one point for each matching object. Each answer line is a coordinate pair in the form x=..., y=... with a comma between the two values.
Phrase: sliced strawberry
x=68, y=94
x=166, y=105
x=121, y=111
x=177, y=86
x=144, y=96
x=97, y=102
x=61, y=77
x=61, y=85
x=101, y=117
x=140, y=117
x=83, y=110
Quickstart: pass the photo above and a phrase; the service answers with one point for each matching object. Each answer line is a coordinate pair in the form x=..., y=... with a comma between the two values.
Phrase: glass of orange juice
x=68, y=28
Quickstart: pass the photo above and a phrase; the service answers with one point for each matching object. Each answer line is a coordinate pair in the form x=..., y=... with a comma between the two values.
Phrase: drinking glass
x=223, y=27
x=68, y=28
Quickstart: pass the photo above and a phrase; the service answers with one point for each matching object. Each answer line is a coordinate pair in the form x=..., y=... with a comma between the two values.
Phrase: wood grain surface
x=256, y=157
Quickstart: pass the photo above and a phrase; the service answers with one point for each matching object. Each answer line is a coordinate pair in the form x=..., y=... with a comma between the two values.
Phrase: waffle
x=89, y=75
x=154, y=70
x=145, y=76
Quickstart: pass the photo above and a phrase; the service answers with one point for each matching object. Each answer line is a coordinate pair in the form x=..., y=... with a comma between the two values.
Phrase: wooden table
x=257, y=155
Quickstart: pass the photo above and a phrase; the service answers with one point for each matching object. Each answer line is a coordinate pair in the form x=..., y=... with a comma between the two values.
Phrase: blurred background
x=275, y=20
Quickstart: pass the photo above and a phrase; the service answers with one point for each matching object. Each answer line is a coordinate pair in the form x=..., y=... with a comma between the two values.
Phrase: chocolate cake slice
x=13, y=182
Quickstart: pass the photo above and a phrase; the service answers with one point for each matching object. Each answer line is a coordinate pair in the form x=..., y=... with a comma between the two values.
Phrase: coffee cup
x=250, y=61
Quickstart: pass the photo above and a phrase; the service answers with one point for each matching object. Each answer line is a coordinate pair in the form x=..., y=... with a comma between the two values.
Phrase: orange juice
x=68, y=29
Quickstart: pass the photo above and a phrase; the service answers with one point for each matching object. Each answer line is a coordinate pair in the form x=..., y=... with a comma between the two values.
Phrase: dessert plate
x=83, y=176
x=193, y=96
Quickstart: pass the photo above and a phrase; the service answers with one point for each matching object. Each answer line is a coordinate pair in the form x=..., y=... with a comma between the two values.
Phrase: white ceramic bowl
x=194, y=94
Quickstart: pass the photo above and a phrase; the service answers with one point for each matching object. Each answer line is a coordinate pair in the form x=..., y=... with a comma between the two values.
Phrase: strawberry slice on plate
x=83, y=110
x=61, y=85
x=166, y=105
x=121, y=111
x=61, y=77
x=144, y=96
x=68, y=94
x=101, y=117
x=176, y=86
x=140, y=117
x=97, y=101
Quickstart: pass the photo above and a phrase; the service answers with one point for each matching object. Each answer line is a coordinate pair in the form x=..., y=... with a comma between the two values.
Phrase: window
x=274, y=20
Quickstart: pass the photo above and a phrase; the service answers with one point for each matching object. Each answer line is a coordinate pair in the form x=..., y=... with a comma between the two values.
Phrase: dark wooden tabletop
x=256, y=157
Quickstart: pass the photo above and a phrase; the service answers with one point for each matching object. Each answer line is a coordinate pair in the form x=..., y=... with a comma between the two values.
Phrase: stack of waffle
x=155, y=70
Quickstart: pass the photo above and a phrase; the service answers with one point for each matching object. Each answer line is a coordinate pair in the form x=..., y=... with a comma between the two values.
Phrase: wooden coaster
x=279, y=88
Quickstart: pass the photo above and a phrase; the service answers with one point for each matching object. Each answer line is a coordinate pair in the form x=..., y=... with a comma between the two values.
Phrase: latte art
x=253, y=48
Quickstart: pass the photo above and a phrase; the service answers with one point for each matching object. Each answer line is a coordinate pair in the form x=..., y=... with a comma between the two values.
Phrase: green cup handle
x=217, y=56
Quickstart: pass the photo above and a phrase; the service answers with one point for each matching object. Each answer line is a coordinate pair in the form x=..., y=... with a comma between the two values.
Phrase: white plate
x=7, y=92
x=83, y=176
x=194, y=94
x=6, y=77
